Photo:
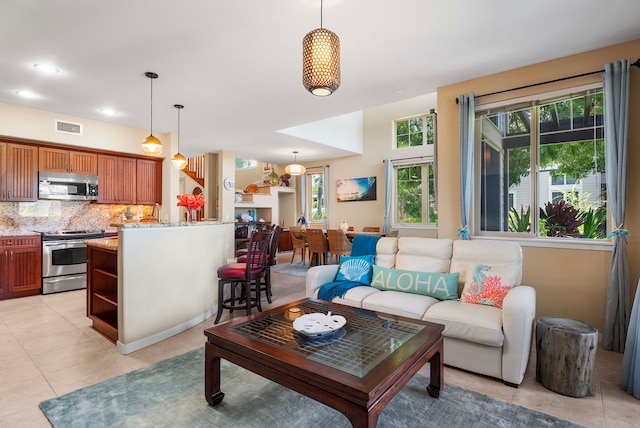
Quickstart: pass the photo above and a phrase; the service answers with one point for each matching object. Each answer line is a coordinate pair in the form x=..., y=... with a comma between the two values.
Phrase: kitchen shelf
x=102, y=290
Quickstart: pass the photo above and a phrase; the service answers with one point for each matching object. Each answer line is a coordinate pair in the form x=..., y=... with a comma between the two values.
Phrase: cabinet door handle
x=11, y=255
x=8, y=195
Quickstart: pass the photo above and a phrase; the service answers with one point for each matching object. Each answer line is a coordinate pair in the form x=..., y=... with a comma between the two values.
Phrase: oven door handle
x=55, y=279
x=62, y=243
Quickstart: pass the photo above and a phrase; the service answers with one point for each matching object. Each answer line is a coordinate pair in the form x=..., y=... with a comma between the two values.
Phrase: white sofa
x=482, y=339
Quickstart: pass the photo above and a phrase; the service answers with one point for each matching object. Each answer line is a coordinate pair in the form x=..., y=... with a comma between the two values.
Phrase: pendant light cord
x=151, y=127
x=320, y=13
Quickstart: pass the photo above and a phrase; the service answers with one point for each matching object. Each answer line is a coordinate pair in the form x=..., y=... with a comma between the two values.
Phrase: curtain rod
x=402, y=159
x=635, y=64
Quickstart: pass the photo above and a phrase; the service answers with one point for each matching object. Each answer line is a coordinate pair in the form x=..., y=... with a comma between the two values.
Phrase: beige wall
x=569, y=283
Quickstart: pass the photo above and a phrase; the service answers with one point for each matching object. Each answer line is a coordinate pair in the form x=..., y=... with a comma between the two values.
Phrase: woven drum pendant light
x=321, y=61
x=178, y=161
x=151, y=145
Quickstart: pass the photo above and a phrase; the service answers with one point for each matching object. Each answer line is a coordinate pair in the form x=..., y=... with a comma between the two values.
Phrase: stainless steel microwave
x=67, y=187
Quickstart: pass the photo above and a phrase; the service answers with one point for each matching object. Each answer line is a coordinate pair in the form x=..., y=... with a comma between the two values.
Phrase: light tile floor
x=48, y=348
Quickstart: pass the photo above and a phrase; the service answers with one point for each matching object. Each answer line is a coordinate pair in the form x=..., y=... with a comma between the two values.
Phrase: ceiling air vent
x=68, y=127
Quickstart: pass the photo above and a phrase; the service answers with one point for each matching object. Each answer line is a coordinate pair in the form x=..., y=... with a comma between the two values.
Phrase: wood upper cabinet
x=116, y=180
x=149, y=181
x=62, y=160
x=18, y=172
x=20, y=266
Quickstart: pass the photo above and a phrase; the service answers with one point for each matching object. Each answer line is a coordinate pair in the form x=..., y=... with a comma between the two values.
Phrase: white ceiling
x=236, y=64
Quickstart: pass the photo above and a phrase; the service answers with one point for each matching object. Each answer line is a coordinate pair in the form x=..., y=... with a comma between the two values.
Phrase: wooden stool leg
x=220, y=300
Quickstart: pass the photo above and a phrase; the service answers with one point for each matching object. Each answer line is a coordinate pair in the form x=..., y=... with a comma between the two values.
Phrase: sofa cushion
x=424, y=254
x=355, y=269
x=386, y=250
x=466, y=321
x=467, y=254
x=356, y=295
x=488, y=285
x=443, y=286
x=398, y=303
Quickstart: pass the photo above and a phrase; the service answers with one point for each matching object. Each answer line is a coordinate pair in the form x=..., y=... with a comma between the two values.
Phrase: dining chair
x=248, y=275
x=298, y=242
x=318, y=247
x=339, y=244
x=371, y=229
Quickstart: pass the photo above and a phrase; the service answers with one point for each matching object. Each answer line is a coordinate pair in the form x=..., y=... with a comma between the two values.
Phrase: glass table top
x=357, y=348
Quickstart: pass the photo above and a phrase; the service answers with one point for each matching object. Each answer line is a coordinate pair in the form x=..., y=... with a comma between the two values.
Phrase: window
x=316, y=200
x=547, y=154
x=245, y=163
x=414, y=188
x=415, y=131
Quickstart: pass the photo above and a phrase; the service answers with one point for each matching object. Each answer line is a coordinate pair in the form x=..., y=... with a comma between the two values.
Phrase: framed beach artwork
x=356, y=189
x=266, y=167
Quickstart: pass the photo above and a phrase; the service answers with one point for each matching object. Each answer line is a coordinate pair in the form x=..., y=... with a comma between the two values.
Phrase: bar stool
x=247, y=274
x=271, y=260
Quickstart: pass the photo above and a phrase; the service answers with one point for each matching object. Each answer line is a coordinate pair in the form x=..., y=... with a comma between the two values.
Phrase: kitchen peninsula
x=155, y=280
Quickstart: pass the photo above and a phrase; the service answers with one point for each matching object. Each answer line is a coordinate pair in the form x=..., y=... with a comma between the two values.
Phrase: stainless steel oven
x=64, y=259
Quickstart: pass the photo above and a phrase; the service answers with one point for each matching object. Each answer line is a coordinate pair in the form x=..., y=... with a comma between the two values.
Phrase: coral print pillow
x=355, y=269
x=487, y=286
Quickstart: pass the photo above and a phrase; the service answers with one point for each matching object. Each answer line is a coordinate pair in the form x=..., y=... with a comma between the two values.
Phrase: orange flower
x=191, y=202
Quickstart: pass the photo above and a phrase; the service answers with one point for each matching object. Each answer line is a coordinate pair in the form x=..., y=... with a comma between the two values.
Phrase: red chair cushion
x=235, y=271
x=242, y=252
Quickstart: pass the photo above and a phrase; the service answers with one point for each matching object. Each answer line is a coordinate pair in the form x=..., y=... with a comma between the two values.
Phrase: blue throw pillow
x=443, y=286
x=355, y=269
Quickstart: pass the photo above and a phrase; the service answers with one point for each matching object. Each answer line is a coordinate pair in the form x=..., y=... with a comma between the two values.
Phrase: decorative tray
x=318, y=324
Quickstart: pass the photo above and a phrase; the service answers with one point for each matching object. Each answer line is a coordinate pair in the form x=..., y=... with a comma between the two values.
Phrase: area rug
x=295, y=268
x=171, y=393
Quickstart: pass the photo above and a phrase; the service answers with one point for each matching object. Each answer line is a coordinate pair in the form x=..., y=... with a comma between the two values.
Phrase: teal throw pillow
x=355, y=269
x=443, y=286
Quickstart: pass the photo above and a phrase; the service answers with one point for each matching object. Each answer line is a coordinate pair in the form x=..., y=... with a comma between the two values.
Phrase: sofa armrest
x=518, y=315
x=318, y=276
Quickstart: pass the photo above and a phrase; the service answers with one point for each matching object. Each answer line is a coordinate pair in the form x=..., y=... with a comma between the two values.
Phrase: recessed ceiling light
x=108, y=111
x=46, y=68
x=26, y=94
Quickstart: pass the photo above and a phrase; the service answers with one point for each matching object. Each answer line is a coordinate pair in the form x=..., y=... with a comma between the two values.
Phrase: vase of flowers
x=192, y=203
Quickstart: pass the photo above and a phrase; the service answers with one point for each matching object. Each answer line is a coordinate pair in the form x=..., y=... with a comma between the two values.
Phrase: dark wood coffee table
x=357, y=371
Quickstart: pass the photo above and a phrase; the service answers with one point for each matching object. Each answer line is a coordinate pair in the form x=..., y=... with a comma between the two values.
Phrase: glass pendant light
x=178, y=161
x=151, y=145
x=321, y=61
x=295, y=168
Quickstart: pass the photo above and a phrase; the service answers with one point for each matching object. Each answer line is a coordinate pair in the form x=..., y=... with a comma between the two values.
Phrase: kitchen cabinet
x=18, y=173
x=61, y=160
x=149, y=181
x=116, y=180
x=20, y=266
x=102, y=290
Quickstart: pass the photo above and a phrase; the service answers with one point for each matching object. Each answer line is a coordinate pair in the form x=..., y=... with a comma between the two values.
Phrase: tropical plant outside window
x=245, y=163
x=315, y=183
x=415, y=194
x=562, y=141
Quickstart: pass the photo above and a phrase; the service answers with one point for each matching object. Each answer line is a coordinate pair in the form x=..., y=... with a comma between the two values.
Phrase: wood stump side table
x=566, y=355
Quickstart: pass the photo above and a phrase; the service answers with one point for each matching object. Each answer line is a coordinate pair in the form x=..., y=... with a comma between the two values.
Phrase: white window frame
x=521, y=238
x=395, y=222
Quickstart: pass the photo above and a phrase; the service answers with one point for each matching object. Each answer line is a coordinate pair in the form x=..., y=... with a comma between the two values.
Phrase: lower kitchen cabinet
x=102, y=290
x=20, y=266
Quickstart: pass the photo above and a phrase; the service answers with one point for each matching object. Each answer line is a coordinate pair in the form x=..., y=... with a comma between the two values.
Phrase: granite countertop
x=106, y=243
x=18, y=233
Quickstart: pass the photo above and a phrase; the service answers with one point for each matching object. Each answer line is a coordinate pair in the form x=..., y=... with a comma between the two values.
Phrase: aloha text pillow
x=488, y=285
x=355, y=269
x=443, y=286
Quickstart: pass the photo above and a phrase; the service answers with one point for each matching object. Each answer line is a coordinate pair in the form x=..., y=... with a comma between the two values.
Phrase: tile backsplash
x=50, y=216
